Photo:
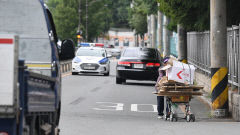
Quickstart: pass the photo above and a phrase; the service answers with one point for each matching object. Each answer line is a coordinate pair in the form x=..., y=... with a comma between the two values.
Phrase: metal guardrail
x=66, y=66
x=199, y=53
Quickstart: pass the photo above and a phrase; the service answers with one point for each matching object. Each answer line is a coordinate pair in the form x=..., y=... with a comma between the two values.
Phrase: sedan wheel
x=74, y=73
x=106, y=74
x=118, y=80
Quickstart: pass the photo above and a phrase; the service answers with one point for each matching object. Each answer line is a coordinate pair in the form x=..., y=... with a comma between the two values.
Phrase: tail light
x=124, y=63
x=128, y=63
x=153, y=65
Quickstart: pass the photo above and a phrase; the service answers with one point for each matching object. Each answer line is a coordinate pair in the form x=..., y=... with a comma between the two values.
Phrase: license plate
x=137, y=65
x=89, y=67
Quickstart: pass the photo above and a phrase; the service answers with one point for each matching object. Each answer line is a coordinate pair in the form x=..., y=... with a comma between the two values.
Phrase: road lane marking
x=107, y=106
x=110, y=106
x=134, y=107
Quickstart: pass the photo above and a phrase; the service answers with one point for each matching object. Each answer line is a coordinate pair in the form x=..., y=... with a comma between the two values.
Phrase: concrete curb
x=206, y=101
x=234, y=105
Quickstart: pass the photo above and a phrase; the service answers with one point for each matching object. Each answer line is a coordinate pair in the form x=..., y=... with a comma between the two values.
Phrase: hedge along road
x=96, y=105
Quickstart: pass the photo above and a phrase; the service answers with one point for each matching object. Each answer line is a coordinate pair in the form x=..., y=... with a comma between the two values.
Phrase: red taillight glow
x=128, y=63
x=153, y=65
x=124, y=63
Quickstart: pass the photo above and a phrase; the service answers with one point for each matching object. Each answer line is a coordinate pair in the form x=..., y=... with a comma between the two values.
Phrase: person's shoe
x=160, y=117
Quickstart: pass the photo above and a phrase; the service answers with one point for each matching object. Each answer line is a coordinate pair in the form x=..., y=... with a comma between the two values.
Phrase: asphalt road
x=96, y=105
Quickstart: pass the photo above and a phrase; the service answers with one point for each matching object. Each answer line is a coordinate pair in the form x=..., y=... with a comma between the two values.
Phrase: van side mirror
x=67, y=50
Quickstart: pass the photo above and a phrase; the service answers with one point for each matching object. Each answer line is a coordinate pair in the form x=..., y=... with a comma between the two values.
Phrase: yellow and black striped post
x=219, y=88
x=184, y=61
x=218, y=52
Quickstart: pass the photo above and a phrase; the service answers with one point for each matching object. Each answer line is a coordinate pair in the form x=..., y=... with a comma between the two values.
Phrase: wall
x=121, y=36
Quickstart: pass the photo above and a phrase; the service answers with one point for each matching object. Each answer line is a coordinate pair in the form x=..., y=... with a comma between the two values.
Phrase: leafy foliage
x=119, y=10
x=194, y=15
x=233, y=16
x=66, y=17
x=138, y=15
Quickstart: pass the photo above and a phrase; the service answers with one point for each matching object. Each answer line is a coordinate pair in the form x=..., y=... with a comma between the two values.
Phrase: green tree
x=233, y=16
x=194, y=15
x=138, y=15
x=66, y=17
x=119, y=10
x=99, y=18
x=66, y=21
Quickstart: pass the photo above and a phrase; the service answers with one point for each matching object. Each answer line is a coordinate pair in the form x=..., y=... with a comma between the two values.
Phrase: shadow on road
x=139, y=84
x=94, y=74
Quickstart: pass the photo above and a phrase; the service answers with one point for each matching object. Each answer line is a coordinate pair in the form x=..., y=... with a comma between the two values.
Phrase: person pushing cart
x=174, y=90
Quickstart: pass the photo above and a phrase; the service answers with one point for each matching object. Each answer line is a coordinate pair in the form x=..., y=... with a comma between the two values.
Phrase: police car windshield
x=91, y=52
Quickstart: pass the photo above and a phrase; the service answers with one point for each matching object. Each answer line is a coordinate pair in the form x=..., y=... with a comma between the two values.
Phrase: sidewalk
x=201, y=106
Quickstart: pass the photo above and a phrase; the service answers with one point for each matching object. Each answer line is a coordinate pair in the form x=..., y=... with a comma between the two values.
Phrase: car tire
x=74, y=73
x=123, y=80
x=118, y=80
x=106, y=74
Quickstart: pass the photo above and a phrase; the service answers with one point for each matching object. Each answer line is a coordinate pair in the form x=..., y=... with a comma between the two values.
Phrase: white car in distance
x=91, y=60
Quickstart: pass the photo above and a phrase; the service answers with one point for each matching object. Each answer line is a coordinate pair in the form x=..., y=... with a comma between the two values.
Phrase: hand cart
x=176, y=94
x=183, y=100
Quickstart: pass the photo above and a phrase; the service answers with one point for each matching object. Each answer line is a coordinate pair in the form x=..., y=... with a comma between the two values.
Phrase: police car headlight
x=76, y=60
x=103, y=61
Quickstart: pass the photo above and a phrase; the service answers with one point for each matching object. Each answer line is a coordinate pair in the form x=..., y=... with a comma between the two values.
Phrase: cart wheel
x=175, y=117
x=171, y=117
x=165, y=117
x=188, y=119
x=192, y=116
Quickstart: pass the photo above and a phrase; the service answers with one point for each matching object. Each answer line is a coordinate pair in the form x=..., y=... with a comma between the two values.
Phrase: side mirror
x=67, y=50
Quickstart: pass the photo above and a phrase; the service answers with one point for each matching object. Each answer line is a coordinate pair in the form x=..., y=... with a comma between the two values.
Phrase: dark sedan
x=138, y=64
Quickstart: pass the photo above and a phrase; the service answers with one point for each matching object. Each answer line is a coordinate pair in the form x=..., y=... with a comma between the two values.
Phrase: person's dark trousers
x=160, y=105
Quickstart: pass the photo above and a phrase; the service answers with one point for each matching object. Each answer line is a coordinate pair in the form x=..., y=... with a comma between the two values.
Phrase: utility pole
x=79, y=23
x=219, y=70
x=182, y=44
x=160, y=28
x=153, y=31
x=149, y=31
x=86, y=36
x=166, y=43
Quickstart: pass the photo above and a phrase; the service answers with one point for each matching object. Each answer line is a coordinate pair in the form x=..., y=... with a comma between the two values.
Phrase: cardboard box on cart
x=180, y=72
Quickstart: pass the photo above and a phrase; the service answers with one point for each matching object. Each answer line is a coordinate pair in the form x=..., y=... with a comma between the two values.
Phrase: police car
x=91, y=60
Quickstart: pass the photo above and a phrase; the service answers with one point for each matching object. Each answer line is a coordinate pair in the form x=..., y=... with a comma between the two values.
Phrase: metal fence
x=199, y=53
x=66, y=66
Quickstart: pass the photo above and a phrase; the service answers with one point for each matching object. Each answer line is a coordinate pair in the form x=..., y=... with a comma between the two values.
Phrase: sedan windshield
x=91, y=52
x=130, y=52
x=146, y=53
